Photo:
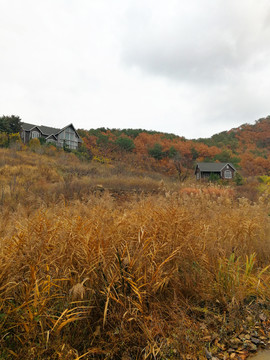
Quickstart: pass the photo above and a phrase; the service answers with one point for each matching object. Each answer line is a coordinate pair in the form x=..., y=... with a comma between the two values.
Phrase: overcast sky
x=189, y=67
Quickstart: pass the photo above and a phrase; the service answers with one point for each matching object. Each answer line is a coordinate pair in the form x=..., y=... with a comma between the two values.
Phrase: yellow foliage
x=101, y=159
x=15, y=138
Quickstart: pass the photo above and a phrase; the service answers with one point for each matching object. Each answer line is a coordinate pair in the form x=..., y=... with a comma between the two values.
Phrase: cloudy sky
x=189, y=67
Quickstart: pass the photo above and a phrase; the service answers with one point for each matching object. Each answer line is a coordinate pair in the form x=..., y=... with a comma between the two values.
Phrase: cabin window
x=228, y=174
x=35, y=134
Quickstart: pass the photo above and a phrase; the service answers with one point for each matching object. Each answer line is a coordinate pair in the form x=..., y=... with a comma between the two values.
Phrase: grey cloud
x=196, y=43
x=103, y=63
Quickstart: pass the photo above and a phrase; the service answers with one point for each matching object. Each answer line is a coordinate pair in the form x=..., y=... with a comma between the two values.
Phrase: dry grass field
x=135, y=269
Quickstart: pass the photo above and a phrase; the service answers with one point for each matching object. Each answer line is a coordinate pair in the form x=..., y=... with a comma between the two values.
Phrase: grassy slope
x=87, y=271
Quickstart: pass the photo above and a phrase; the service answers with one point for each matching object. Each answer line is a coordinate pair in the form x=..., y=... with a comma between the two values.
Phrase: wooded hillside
x=247, y=147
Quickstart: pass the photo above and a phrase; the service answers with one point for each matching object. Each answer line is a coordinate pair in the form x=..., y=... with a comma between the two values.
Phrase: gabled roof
x=80, y=139
x=46, y=130
x=51, y=137
x=213, y=167
x=36, y=128
x=27, y=127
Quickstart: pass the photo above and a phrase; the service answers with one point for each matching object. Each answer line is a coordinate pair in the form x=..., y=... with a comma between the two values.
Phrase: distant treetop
x=10, y=124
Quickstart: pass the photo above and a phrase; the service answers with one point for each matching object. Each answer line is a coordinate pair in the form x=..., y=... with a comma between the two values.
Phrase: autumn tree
x=182, y=171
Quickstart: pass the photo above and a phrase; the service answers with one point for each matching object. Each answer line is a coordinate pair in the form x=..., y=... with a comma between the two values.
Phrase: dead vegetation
x=165, y=276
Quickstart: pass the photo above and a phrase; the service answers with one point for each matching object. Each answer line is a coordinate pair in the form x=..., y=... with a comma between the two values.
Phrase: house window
x=35, y=134
x=69, y=134
x=228, y=174
x=70, y=138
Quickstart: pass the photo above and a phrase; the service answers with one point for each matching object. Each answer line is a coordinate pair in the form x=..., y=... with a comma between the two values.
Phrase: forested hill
x=257, y=134
x=247, y=147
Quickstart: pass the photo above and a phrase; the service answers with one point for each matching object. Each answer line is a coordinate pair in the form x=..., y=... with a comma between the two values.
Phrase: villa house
x=222, y=170
x=67, y=136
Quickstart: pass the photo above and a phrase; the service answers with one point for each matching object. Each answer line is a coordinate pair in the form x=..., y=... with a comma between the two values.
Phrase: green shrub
x=214, y=177
x=125, y=143
x=156, y=152
x=172, y=152
x=238, y=179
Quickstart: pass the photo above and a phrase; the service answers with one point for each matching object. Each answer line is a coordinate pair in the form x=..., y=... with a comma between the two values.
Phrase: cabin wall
x=207, y=174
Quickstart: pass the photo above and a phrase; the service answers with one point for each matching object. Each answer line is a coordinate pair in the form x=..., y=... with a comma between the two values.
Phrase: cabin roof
x=213, y=167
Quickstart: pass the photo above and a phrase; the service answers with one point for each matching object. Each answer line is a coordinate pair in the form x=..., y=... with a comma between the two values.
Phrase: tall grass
x=91, y=277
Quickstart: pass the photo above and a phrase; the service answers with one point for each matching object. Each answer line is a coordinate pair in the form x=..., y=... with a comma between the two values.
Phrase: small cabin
x=222, y=170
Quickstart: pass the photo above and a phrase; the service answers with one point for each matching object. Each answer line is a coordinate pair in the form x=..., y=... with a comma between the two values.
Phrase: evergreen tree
x=10, y=124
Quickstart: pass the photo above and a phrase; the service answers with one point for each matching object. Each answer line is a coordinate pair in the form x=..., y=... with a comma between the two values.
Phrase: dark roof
x=46, y=130
x=26, y=126
x=213, y=167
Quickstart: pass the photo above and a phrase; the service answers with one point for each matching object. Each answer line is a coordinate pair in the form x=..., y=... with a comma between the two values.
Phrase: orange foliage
x=248, y=143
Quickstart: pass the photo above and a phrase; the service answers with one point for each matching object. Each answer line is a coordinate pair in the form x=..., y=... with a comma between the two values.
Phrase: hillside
x=247, y=147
